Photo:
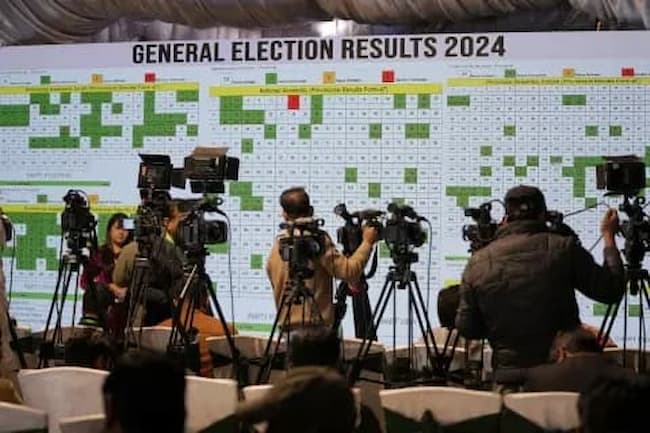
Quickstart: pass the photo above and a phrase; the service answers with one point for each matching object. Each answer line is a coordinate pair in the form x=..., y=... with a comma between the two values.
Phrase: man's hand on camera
x=370, y=234
x=609, y=227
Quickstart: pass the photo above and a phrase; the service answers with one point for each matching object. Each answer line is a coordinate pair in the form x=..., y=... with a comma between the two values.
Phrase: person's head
x=577, y=341
x=295, y=204
x=116, y=234
x=525, y=202
x=314, y=346
x=174, y=215
x=145, y=393
x=308, y=400
x=615, y=405
x=89, y=348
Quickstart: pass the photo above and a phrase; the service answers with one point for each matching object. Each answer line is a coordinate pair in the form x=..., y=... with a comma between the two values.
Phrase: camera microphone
x=367, y=214
x=342, y=211
x=405, y=211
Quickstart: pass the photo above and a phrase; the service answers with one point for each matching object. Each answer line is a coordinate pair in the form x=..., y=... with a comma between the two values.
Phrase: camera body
x=483, y=232
x=78, y=223
x=350, y=235
x=303, y=242
x=206, y=169
x=402, y=233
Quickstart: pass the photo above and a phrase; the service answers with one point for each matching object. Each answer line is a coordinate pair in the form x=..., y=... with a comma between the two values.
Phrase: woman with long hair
x=100, y=293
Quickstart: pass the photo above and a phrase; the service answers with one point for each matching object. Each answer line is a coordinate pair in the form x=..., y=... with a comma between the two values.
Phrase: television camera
x=403, y=232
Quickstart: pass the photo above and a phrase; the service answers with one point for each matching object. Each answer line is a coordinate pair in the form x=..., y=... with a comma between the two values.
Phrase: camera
x=621, y=175
x=303, y=241
x=625, y=175
x=483, y=232
x=77, y=223
x=403, y=232
x=206, y=169
x=199, y=227
x=351, y=234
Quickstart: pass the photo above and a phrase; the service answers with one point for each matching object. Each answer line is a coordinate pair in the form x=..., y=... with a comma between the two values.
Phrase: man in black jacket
x=518, y=291
x=579, y=364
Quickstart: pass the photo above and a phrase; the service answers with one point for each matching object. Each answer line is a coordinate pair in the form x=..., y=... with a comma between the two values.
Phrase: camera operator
x=166, y=272
x=518, y=291
x=329, y=264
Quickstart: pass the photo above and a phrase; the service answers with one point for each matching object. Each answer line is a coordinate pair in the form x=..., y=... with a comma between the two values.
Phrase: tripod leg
x=43, y=355
x=269, y=342
x=366, y=344
x=433, y=355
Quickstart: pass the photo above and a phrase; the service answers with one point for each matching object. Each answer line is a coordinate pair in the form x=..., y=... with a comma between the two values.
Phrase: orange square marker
x=97, y=78
x=329, y=77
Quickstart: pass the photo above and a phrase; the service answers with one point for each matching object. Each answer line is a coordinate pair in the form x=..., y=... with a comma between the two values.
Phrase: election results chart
x=437, y=122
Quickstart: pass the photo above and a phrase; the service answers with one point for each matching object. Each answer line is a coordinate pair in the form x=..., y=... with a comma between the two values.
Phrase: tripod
x=52, y=345
x=637, y=282
x=138, y=289
x=400, y=277
x=183, y=337
x=295, y=293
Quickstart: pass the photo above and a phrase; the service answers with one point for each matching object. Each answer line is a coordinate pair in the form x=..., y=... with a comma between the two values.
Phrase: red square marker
x=150, y=77
x=293, y=102
x=627, y=72
x=388, y=76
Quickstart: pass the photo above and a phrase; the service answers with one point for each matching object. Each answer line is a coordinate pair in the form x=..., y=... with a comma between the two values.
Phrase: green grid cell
x=46, y=79
x=192, y=130
x=458, y=100
x=375, y=131
x=384, y=252
x=591, y=202
x=486, y=150
x=633, y=310
x=615, y=131
x=45, y=107
x=219, y=248
x=591, y=131
x=399, y=101
x=304, y=131
x=555, y=160
x=54, y=143
x=464, y=193
x=14, y=115
x=187, y=96
x=400, y=201
x=486, y=171
x=91, y=123
x=411, y=175
x=510, y=130
x=271, y=78
x=270, y=132
x=117, y=108
x=417, y=130
x=65, y=98
x=350, y=175
x=599, y=310
x=509, y=161
x=521, y=171
x=41, y=198
x=316, y=117
x=253, y=204
x=374, y=190
x=532, y=161
x=576, y=100
x=257, y=261
x=424, y=101
x=241, y=189
x=247, y=145
x=510, y=73
x=64, y=131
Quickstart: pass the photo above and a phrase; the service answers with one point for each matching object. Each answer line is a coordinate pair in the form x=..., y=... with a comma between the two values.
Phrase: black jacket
x=575, y=374
x=518, y=291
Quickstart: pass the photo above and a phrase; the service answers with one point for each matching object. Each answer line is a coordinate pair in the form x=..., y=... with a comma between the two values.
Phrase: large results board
x=440, y=122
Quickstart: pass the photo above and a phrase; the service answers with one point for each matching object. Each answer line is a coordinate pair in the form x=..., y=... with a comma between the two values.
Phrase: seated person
x=615, y=405
x=579, y=362
x=308, y=399
x=145, y=393
x=89, y=348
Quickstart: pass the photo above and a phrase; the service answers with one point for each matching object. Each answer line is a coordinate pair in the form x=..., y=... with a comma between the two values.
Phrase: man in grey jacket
x=518, y=291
